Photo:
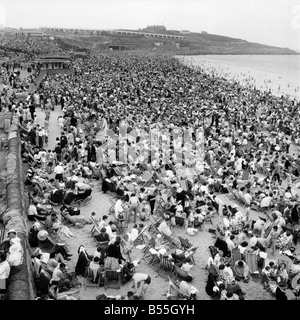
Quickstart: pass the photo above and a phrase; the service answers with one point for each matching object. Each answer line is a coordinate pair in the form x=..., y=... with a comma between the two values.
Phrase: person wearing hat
x=12, y=234
x=11, y=238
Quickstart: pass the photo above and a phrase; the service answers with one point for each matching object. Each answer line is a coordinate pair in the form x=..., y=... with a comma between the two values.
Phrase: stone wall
x=20, y=284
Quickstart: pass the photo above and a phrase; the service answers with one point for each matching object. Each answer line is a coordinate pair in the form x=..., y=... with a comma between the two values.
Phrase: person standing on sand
x=141, y=282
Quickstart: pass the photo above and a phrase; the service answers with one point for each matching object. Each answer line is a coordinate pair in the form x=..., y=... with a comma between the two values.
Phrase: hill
x=182, y=43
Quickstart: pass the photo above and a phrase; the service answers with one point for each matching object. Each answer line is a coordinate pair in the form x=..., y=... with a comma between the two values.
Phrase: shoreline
x=248, y=81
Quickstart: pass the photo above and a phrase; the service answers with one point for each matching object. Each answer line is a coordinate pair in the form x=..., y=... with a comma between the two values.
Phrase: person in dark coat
x=222, y=245
x=280, y=294
x=114, y=250
x=211, y=283
x=83, y=261
x=63, y=140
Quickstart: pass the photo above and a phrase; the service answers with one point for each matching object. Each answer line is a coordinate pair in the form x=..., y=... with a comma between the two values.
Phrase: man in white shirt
x=103, y=223
x=133, y=233
x=164, y=227
x=230, y=243
x=220, y=203
x=59, y=276
x=266, y=201
x=248, y=198
x=59, y=171
x=141, y=282
x=119, y=207
x=32, y=213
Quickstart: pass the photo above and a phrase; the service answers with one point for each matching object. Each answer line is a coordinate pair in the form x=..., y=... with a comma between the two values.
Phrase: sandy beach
x=157, y=290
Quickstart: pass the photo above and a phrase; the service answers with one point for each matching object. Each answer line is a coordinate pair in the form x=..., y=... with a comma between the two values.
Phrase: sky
x=271, y=22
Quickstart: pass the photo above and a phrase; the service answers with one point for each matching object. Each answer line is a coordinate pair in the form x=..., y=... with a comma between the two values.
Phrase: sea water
x=279, y=74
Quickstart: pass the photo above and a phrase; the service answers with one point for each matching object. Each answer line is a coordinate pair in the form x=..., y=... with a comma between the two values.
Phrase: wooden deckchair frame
x=95, y=227
x=167, y=266
x=140, y=236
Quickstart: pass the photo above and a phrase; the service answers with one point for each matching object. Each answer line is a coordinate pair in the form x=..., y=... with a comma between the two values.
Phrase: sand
x=157, y=290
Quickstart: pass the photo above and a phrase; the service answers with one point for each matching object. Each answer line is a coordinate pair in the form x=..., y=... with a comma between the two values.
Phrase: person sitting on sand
x=54, y=294
x=60, y=277
x=241, y=271
x=164, y=227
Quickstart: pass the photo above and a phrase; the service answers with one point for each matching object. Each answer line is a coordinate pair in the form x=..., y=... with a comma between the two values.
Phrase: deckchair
x=287, y=262
x=185, y=243
x=251, y=260
x=90, y=280
x=65, y=220
x=190, y=255
x=153, y=258
x=235, y=255
x=171, y=240
x=96, y=173
x=95, y=227
x=140, y=236
x=83, y=202
x=180, y=273
x=167, y=266
x=2, y=235
x=112, y=279
x=147, y=254
x=146, y=176
x=173, y=290
x=111, y=210
x=153, y=228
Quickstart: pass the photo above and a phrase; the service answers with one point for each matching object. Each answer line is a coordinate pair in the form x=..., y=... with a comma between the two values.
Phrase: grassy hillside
x=193, y=43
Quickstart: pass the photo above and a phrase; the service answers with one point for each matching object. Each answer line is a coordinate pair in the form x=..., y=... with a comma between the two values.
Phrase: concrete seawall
x=20, y=284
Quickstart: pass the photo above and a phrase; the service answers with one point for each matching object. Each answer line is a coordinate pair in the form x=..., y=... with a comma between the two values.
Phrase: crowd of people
x=30, y=45
x=169, y=140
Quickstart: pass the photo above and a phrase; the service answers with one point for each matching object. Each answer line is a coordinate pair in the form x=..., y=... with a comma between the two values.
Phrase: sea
x=279, y=74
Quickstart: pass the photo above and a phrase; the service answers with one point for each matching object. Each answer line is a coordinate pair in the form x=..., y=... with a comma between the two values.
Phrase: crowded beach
x=150, y=179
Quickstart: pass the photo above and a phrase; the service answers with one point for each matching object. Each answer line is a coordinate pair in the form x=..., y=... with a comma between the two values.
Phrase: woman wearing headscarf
x=83, y=261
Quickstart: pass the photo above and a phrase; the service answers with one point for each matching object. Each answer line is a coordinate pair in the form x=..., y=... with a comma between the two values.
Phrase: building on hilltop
x=185, y=31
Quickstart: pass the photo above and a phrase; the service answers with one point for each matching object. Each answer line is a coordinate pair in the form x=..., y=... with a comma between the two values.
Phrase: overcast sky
x=272, y=22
